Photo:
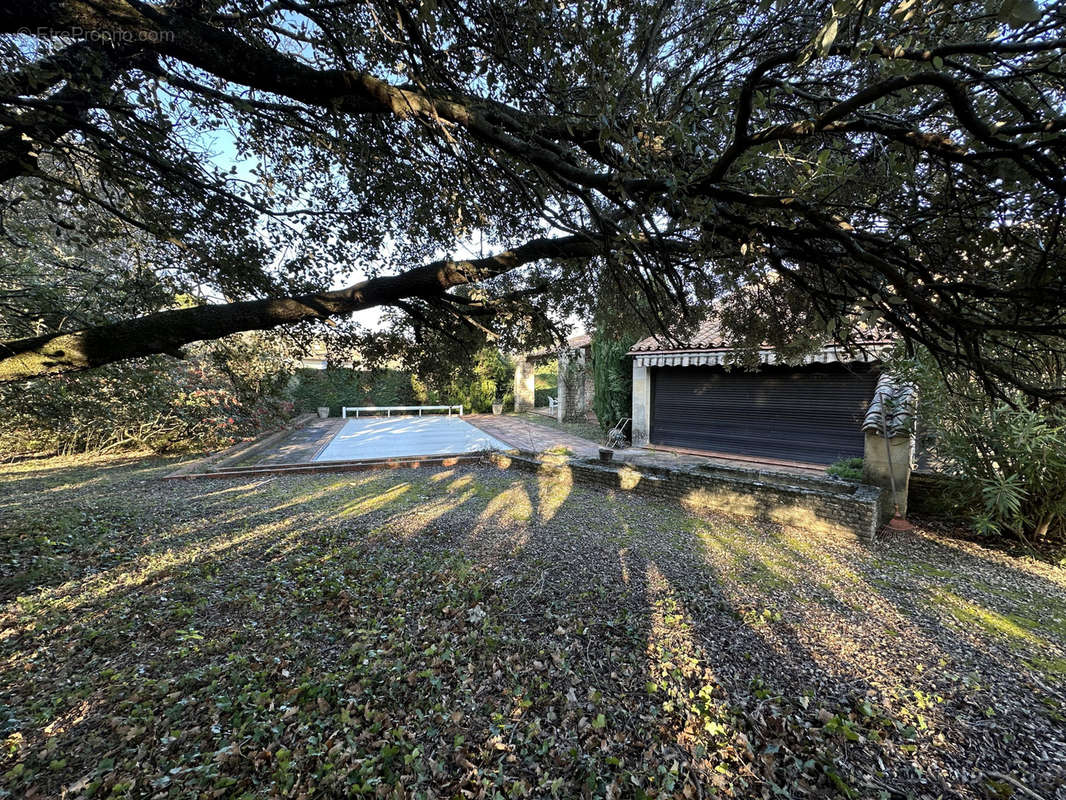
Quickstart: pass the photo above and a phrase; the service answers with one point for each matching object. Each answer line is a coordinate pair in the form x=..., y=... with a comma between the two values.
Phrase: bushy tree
x=258, y=365
x=612, y=375
x=819, y=166
x=68, y=266
x=488, y=379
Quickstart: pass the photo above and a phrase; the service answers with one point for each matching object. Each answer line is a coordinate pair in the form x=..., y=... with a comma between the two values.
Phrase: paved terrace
x=525, y=435
x=307, y=439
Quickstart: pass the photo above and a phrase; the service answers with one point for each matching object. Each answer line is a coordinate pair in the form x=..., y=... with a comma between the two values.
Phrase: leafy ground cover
x=480, y=633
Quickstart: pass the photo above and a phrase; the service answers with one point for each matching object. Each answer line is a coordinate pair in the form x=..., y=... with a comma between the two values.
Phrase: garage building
x=688, y=398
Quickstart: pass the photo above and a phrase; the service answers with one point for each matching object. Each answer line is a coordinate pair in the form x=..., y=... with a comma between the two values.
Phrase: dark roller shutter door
x=796, y=415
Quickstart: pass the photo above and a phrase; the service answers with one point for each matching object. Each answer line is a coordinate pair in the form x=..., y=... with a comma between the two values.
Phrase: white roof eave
x=721, y=357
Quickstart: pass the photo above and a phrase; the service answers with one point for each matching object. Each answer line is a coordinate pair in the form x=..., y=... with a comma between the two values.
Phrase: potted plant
x=497, y=405
x=323, y=412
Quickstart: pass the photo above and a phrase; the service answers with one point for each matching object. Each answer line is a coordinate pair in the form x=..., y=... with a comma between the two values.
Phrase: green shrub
x=847, y=468
x=1019, y=467
x=545, y=382
x=540, y=396
x=222, y=392
x=154, y=403
x=612, y=375
x=546, y=374
x=342, y=386
x=391, y=388
x=490, y=377
x=1008, y=454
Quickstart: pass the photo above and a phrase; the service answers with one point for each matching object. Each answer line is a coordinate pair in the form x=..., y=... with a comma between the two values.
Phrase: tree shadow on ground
x=472, y=630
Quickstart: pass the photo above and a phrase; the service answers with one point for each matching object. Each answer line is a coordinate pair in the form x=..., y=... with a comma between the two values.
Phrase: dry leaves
x=409, y=634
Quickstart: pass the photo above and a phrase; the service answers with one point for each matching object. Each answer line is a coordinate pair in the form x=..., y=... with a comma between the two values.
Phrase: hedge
x=343, y=386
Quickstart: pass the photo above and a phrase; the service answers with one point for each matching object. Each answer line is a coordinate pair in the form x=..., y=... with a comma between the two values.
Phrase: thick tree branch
x=168, y=331
x=524, y=137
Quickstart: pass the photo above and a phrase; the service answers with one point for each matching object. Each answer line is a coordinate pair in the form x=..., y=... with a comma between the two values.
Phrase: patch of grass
x=987, y=620
x=1042, y=613
x=1019, y=632
x=914, y=566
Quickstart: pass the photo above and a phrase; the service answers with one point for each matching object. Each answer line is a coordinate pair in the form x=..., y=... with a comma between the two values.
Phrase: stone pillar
x=524, y=384
x=562, y=391
x=575, y=395
x=641, y=405
x=877, y=471
x=588, y=386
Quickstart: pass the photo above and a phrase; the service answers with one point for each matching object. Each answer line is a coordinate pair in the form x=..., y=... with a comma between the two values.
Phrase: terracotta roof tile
x=892, y=408
x=584, y=340
x=707, y=337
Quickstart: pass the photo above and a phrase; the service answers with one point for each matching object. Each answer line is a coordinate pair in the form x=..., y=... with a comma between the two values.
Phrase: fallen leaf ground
x=482, y=633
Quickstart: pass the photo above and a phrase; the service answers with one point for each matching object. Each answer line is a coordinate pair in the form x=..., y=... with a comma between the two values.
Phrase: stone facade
x=575, y=389
x=816, y=504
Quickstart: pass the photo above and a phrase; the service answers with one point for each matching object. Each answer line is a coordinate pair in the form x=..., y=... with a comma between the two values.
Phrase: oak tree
x=811, y=169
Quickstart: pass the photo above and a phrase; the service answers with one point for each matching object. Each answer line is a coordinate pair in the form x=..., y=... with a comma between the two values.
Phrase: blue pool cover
x=395, y=437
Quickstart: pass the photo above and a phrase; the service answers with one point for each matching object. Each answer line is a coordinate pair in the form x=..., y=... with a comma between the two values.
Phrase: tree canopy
x=811, y=169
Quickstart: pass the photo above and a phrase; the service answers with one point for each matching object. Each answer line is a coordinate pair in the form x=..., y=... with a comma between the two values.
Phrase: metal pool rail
x=389, y=409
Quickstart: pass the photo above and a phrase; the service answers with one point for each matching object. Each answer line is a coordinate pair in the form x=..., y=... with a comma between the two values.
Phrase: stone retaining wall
x=810, y=503
x=939, y=494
